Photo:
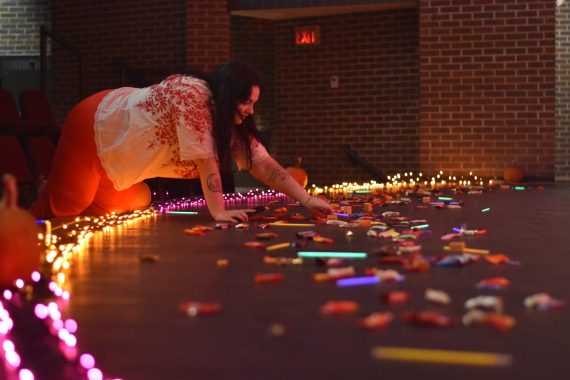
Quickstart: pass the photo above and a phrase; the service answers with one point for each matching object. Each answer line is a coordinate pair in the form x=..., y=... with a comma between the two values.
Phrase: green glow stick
x=420, y=226
x=351, y=255
x=486, y=209
x=445, y=198
x=519, y=187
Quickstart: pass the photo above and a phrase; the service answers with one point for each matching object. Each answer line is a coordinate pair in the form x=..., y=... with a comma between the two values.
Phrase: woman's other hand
x=317, y=206
x=233, y=216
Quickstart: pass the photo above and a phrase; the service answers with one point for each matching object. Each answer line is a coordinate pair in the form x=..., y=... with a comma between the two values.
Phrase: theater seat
x=40, y=151
x=13, y=161
x=10, y=121
x=37, y=113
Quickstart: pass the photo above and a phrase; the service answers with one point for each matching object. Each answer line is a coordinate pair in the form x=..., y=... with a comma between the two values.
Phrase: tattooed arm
x=211, y=182
x=275, y=176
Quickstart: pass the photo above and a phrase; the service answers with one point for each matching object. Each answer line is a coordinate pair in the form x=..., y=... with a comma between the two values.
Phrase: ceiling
x=304, y=12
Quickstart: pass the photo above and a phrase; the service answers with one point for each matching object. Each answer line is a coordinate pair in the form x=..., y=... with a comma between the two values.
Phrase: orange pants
x=77, y=183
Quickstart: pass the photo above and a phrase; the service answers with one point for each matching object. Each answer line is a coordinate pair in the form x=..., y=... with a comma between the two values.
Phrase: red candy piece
x=396, y=297
x=322, y=239
x=266, y=278
x=376, y=320
x=194, y=309
x=339, y=307
x=493, y=283
x=254, y=244
x=500, y=321
x=497, y=259
x=428, y=318
x=266, y=235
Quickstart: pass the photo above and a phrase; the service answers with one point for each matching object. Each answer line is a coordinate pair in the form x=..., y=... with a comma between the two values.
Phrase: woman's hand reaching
x=317, y=206
x=234, y=216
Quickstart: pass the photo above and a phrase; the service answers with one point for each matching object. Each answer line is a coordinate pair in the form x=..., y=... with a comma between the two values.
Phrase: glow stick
x=278, y=246
x=282, y=224
x=352, y=255
x=442, y=356
x=352, y=281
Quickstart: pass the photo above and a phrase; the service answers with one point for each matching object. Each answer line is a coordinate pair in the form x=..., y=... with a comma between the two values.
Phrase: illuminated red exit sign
x=307, y=36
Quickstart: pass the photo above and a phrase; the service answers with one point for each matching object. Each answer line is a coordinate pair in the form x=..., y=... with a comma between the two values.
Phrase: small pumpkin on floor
x=298, y=173
x=513, y=173
x=20, y=252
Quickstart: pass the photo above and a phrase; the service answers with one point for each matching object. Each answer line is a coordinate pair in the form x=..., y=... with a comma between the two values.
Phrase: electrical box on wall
x=334, y=81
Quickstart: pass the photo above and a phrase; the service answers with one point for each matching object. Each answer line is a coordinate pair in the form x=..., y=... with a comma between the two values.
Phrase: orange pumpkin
x=513, y=173
x=20, y=253
x=298, y=173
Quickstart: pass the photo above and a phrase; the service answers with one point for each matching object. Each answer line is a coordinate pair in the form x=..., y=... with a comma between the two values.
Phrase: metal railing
x=44, y=34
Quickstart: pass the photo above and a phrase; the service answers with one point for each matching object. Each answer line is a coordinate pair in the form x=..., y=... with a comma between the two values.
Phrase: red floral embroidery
x=183, y=102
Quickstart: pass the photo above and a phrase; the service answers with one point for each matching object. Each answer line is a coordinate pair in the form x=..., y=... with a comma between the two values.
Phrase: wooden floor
x=128, y=316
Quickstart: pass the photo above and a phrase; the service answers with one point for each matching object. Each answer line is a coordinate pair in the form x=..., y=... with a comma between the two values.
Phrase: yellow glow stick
x=469, y=250
x=278, y=246
x=283, y=224
x=442, y=356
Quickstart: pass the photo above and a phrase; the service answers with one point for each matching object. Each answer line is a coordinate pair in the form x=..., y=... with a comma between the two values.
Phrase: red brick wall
x=375, y=108
x=563, y=92
x=207, y=33
x=252, y=41
x=156, y=37
x=487, y=85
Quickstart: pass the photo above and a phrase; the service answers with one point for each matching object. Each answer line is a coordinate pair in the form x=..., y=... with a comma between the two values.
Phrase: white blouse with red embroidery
x=159, y=131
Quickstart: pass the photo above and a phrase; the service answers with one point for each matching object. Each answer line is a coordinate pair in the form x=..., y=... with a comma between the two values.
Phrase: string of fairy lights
x=64, y=242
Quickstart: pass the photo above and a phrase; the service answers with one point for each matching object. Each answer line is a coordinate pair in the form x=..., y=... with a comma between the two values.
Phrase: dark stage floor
x=128, y=316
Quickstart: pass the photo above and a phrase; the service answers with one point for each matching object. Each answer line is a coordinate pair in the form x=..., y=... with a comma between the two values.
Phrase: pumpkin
x=513, y=173
x=20, y=252
x=298, y=173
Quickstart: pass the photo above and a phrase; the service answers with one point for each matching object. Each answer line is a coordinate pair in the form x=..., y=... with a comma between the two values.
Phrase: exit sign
x=307, y=36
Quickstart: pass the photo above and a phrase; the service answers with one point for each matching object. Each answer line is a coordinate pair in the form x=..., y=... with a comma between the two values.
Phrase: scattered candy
x=266, y=235
x=498, y=321
x=266, y=278
x=396, y=297
x=254, y=244
x=277, y=330
x=339, y=307
x=428, y=318
x=543, y=301
x=148, y=258
x=486, y=303
x=437, y=296
x=376, y=320
x=496, y=283
x=194, y=309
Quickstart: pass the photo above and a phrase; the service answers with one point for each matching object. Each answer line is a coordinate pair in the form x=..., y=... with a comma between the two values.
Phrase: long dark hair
x=230, y=84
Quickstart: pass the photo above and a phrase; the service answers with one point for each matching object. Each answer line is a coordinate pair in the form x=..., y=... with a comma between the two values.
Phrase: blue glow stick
x=352, y=281
x=347, y=255
x=341, y=214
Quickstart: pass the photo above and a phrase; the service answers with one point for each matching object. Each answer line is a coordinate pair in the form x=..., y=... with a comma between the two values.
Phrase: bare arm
x=211, y=182
x=275, y=176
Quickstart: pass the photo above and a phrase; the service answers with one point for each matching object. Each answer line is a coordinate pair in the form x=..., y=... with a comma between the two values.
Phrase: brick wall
x=20, y=22
x=157, y=38
x=252, y=41
x=375, y=108
x=563, y=92
x=487, y=86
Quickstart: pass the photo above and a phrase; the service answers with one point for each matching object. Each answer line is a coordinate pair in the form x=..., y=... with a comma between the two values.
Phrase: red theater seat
x=37, y=113
x=13, y=161
x=10, y=121
x=41, y=150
